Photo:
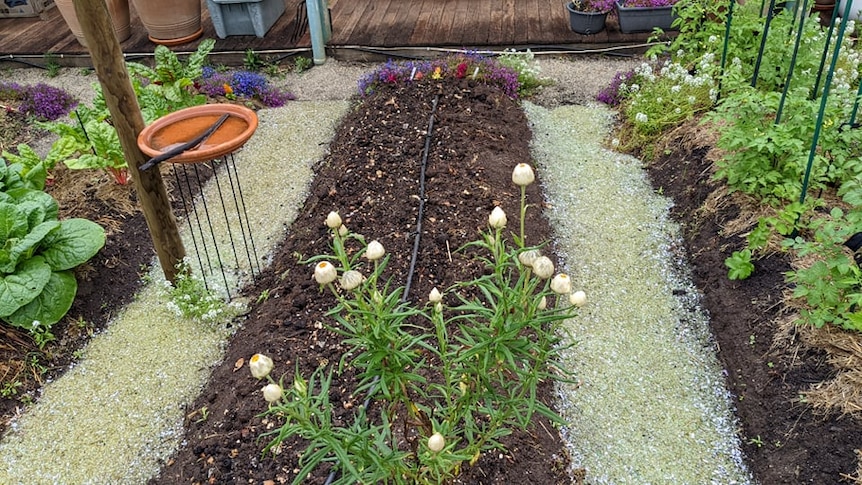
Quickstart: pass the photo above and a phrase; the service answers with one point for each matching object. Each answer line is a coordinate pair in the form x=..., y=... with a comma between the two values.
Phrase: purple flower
x=611, y=94
x=647, y=3
x=243, y=84
x=44, y=102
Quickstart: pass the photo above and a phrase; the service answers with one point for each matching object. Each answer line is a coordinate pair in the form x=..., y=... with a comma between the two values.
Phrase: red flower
x=461, y=70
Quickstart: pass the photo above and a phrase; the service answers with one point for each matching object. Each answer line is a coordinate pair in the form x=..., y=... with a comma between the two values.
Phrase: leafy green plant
x=38, y=253
x=190, y=298
x=740, y=265
x=529, y=74
x=831, y=286
x=167, y=86
x=29, y=160
x=252, y=61
x=302, y=64
x=52, y=67
x=452, y=380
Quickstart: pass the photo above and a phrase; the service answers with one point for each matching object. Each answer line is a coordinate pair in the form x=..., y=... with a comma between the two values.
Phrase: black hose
x=413, y=257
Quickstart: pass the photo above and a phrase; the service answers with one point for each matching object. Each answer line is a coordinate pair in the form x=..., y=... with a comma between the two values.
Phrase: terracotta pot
x=186, y=124
x=170, y=22
x=118, y=9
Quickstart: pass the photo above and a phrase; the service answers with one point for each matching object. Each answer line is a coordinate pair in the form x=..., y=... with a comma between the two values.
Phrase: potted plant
x=645, y=15
x=588, y=16
x=170, y=22
x=120, y=19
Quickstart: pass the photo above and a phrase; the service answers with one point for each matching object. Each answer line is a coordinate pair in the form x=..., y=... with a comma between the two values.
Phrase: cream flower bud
x=342, y=230
x=523, y=175
x=324, y=273
x=260, y=365
x=561, y=284
x=543, y=267
x=351, y=279
x=543, y=303
x=527, y=257
x=374, y=251
x=578, y=298
x=272, y=392
x=333, y=220
x=435, y=296
x=436, y=442
x=497, y=219
x=438, y=307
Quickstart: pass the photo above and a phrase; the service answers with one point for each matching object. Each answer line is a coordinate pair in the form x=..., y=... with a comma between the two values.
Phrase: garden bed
x=367, y=178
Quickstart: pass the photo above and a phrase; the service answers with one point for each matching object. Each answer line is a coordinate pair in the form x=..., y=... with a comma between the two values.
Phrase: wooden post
x=126, y=116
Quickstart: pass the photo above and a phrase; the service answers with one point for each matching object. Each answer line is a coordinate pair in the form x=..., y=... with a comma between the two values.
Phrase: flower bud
x=527, y=257
x=342, y=230
x=523, y=175
x=561, y=284
x=436, y=442
x=374, y=251
x=543, y=303
x=435, y=296
x=272, y=392
x=543, y=267
x=351, y=279
x=438, y=307
x=497, y=219
x=324, y=273
x=333, y=220
x=578, y=298
x=260, y=365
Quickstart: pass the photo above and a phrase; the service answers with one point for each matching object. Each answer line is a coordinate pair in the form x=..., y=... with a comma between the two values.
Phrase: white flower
x=374, y=251
x=713, y=39
x=333, y=220
x=351, y=279
x=497, y=219
x=543, y=267
x=436, y=442
x=438, y=307
x=615, y=142
x=578, y=298
x=342, y=230
x=561, y=284
x=324, y=273
x=523, y=175
x=543, y=303
x=260, y=365
x=435, y=296
x=529, y=256
x=675, y=88
x=272, y=392
x=641, y=118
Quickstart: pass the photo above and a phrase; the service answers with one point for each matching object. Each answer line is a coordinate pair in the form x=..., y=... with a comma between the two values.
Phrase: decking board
x=413, y=24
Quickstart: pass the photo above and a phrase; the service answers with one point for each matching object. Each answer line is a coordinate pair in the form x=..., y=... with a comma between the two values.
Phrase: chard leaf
x=22, y=286
x=76, y=241
x=52, y=303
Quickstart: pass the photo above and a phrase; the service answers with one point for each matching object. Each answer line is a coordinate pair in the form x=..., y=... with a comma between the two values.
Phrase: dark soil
x=371, y=178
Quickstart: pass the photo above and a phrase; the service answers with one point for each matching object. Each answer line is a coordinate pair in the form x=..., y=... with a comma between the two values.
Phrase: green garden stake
x=816, y=138
x=789, y=77
x=725, y=47
x=763, y=37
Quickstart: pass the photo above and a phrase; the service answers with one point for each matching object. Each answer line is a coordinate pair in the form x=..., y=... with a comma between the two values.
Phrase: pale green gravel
x=650, y=407
x=116, y=414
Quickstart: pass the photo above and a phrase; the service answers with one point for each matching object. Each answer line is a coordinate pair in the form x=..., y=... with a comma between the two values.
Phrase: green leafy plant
x=302, y=64
x=191, y=298
x=252, y=61
x=167, y=86
x=740, y=265
x=29, y=160
x=38, y=253
x=831, y=286
x=451, y=380
x=529, y=75
x=52, y=67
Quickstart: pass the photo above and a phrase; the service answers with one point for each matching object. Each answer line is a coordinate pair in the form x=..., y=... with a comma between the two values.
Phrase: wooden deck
x=362, y=30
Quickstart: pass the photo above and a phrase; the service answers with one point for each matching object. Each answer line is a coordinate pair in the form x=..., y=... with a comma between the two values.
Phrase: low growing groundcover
x=375, y=195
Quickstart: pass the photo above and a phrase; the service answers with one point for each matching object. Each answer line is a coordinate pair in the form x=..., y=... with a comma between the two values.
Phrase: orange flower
x=228, y=89
x=438, y=73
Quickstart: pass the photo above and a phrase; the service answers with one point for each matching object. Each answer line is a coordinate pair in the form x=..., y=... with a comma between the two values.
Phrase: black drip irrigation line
x=413, y=257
